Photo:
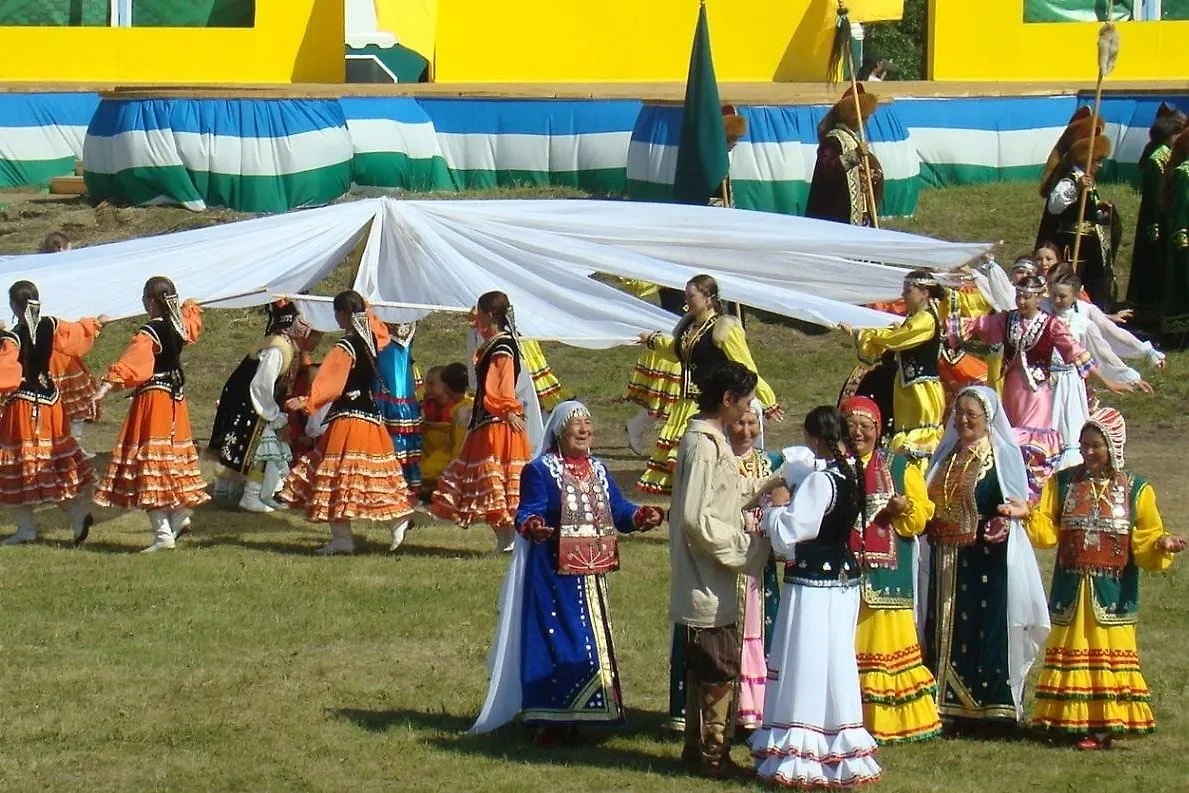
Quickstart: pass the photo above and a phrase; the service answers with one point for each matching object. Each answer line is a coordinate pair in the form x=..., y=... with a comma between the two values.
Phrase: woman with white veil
x=985, y=614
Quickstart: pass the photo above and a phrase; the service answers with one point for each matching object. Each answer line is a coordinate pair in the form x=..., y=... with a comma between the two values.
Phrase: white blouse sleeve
x=1110, y=365
x=316, y=423
x=1124, y=343
x=1062, y=197
x=264, y=385
x=801, y=519
x=996, y=287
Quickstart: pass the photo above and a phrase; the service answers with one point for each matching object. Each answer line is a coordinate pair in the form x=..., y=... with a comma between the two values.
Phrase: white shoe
x=251, y=501
x=637, y=425
x=21, y=537
x=179, y=523
x=274, y=504
x=398, y=532
x=159, y=545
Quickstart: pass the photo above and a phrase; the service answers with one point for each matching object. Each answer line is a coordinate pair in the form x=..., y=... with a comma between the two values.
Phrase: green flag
x=702, y=161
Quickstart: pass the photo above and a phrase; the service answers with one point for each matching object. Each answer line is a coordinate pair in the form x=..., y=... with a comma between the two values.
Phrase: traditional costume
x=1030, y=345
x=444, y=430
x=353, y=473
x=898, y=691
x=1175, y=320
x=244, y=436
x=1100, y=227
x=812, y=734
x=1145, y=284
x=396, y=395
x=1071, y=403
x=984, y=616
x=838, y=191
x=1105, y=529
x=554, y=656
x=40, y=460
x=699, y=344
x=154, y=465
x=655, y=384
x=482, y=484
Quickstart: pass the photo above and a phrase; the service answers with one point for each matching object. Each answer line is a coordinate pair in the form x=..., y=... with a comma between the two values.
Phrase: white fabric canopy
x=542, y=253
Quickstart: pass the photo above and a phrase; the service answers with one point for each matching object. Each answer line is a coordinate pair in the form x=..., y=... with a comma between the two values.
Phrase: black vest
x=699, y=356
x=167, y=359
x=357, y=399
x=920, y=363
x=827, y=559
x=34, y=354
x=501, y=344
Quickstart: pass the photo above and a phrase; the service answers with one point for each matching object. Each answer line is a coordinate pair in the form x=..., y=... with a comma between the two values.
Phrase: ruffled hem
x=76, y=390
x=1080, y=716
x=805, y=757
x=346, y=487
x=44, y=473
x=156, y=474
x=657, y=478
x=885, y=687
x=487, y=491
x=655, y=385
x=915, y=720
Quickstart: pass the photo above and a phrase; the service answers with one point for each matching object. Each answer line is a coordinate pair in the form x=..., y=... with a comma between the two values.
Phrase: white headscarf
x=558, y=420
x=757, y=407
x=1027, y=609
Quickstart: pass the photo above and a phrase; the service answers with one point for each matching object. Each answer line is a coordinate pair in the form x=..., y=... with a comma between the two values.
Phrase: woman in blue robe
x=396, y=394
x=553, y=662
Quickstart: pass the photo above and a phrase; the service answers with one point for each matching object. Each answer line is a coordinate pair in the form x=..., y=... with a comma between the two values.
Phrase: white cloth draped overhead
x=542, y=253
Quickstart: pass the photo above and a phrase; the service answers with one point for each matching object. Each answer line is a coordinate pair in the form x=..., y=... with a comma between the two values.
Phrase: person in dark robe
x=839, y=189
x=1145, y=286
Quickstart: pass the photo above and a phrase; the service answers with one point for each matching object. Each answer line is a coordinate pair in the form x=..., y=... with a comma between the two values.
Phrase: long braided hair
x=827, y=424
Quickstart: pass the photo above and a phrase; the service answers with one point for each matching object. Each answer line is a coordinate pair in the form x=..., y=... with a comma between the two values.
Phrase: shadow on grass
x=514, y=742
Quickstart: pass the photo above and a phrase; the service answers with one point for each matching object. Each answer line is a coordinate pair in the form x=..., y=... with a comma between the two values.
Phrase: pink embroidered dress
x=1029, y=347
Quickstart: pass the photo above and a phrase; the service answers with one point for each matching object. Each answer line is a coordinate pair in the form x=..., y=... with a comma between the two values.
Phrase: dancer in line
x=899, y=692
x=40, y=459
x=703, y=339
x=353, y=473
x=558, y=667
x=396, y=394
x=482, y=484
x=154, y=466
x=813, y=734
x=1104, y=522
x=244, y=435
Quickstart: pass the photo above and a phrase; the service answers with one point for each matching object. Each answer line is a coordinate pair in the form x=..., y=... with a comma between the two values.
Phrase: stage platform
x=661, y=92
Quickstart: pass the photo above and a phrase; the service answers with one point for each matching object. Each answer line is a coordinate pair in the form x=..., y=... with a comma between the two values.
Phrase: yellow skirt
x=658, y=475
x=655, y=384
x=545, y=383
x=919, y=412
x=1091, y=680
x=899, y=693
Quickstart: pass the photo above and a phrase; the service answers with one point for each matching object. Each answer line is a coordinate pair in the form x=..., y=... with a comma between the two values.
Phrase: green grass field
x=240, y=662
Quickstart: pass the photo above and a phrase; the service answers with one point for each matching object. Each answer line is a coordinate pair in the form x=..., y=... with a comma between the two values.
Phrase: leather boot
x=251, y=499
x=342, y=541
x=162, y=532
x=715, y=700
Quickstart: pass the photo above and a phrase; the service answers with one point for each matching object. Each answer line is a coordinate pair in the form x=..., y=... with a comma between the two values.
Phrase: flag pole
x=1106, y=62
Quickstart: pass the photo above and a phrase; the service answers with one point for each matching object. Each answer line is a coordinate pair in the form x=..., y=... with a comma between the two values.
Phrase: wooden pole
x=864, y=163
x=1085, y=192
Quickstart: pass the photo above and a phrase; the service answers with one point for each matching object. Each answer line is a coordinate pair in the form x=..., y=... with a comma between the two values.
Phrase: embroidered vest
x=874, y=545
x=167, y=359
x=827, y=559
x=919, y=364
x=1032, y=340
x=356, y=400
x=699, y=355
x=34, y=354
x=953, y=490
x=1095, y=532
x=504, y=344
x=587, y=543
x=848, y=143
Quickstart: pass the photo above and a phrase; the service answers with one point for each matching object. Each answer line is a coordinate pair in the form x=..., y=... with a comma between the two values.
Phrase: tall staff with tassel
x=842, y=51
x=1108, y=54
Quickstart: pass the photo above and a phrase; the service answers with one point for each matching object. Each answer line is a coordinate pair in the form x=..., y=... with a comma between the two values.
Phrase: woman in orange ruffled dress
x=40, y=461
x=353, y=473
x=154, y=465
x=483, y=482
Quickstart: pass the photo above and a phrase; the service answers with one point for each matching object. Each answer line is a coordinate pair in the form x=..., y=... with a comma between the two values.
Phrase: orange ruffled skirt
x=154, y=464
x=352, y=474
x=482, y=485
x=76, y=389
x=40, y=462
